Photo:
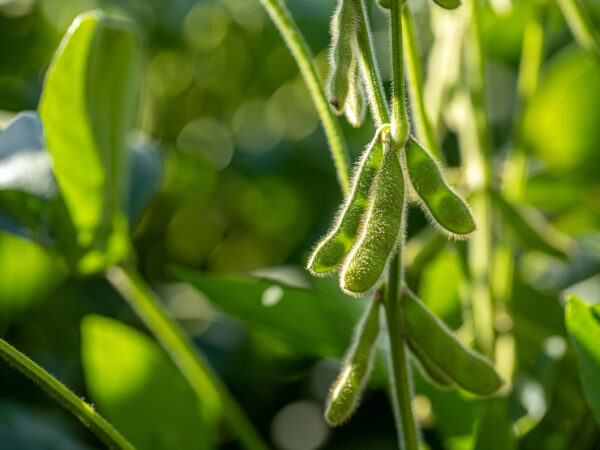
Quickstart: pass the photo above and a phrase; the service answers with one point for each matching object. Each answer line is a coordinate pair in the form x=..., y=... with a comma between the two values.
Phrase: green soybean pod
x=436, y=344
x=448, y=4
x=444, y=206
x=332, y=250
x=367, y=259
x=341, y=57
x=345, y=393
x=355, y=107
x=428, y=367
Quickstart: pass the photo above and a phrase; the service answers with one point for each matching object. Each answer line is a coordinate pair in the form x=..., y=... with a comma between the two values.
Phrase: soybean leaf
x=138, y=389
x=304, y=319
x=87, y=107
x=532, y=229
x=583, y=324
x=494, y=431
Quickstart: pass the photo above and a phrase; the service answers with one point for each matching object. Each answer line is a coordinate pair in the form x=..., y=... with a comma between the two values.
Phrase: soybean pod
x=367, y=259
x=355, y=107
x=342, y=59
x=431, y=341
x=332, y=250
x=444, y=206
x=345, y=393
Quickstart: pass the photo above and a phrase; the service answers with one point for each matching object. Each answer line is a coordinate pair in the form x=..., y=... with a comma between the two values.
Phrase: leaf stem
x=299, y=49
x=83, y=411
x=205, y=382
x=368, y=64
x=581, y=26
x=399, y=119
x=414, y=75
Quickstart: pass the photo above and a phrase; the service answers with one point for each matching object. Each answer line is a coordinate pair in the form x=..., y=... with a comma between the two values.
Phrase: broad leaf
x=87, y=107
x=138, y=389
x=311, y=323
x=583, y=324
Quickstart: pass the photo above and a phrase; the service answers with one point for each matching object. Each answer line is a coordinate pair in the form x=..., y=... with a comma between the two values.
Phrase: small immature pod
x=355, y=107
x=448, y=4
x=367, y=259
x=343, y=35
x=344, y=395
x=440, y=202
x=332, y=250
x=431, y=341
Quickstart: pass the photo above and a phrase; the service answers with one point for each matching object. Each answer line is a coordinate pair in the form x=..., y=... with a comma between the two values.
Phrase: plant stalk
x=369, y=67
x=581, y=26
x=399, y=118
x=82, y=410
x=299, y=49
x=414, y=75
x=204, y=381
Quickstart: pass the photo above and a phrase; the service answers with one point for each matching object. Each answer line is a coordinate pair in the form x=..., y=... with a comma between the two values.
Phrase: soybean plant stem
x=400, y=383
x=399, y=119
x=97, y=424
x=369, y=66
x=209, y=388
x=414, y=75
x=581, y=26
x=294, y=40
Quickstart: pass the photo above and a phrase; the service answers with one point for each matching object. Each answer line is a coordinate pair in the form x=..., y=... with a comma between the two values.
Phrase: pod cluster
x=366, y=230
x=344, y=87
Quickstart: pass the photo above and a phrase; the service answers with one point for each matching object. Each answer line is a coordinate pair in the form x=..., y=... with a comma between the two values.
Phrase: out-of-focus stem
x=414, y=75
x=295, y=41
x=581, y=26
x=204, y=381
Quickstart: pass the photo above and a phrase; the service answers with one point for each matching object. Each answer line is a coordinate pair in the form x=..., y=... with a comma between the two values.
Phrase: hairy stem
x=369, y=67
x=299, y=49
x=83, y=411
x=399, y=119
x=414, y=75
x=400, y=378
x=581, y=26
x=210, y=389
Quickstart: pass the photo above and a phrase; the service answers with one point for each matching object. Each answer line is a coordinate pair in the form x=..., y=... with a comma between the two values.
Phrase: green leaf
x=583, y=324
x=88, y=107
x=137, y=387
x=145, y=176
x=304, y=319
x=494, y=431
x=532, y=229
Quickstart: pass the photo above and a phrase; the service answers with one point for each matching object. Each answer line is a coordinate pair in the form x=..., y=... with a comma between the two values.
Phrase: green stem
x=399, y=119
x=581, y=26
x=369, y=67
x=207, y=385
x=414, y=75
x=400, y=379
x=99, y=426
x=294, y=40
x=477, y=151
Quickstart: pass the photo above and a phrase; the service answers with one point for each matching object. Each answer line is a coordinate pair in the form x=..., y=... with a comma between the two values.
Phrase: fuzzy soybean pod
x=345, y=393
x=431, y=341
x=367, y=259
x=448, y=4
x=355, y=107
x=341, y=60
x=332, y=250
x=444, y=206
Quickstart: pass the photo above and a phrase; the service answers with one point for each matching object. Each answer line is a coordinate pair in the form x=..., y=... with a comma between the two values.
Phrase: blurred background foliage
x=248, y=188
